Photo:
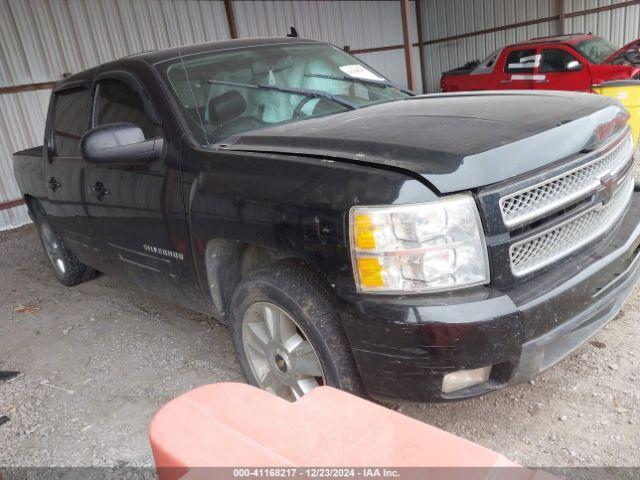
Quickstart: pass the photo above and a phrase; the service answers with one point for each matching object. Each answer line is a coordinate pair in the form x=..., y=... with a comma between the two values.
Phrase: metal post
x=11, y=204
x=408, y=53
x=231, y=18
x=561, y=12
x=423, y=66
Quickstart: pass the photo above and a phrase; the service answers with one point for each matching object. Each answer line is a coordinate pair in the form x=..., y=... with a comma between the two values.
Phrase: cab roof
x=152, y=57
x=570, y=39
x=155, y=56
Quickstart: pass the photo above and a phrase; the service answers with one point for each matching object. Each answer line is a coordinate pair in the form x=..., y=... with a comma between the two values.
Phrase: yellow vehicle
x=628, y=93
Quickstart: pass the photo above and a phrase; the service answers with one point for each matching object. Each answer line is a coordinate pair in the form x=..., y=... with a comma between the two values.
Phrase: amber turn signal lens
x=364, y=233
x=370, y=272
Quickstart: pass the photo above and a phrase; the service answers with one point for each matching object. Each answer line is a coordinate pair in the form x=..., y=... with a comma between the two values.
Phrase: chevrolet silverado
x=348, y=232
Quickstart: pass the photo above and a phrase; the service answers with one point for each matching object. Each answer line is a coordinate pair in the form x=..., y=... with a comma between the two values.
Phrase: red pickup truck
x=570, y=62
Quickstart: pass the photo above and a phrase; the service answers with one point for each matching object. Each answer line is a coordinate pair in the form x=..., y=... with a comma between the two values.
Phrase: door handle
x=54, y=184
x=505, y=81
x=100, y=191
x=541, y=81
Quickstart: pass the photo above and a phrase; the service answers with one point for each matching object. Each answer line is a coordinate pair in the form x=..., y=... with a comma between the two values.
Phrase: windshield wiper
x=297, y=91
x=363, y=81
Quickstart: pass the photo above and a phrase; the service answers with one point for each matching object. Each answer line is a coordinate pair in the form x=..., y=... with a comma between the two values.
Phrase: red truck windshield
x=596, y=50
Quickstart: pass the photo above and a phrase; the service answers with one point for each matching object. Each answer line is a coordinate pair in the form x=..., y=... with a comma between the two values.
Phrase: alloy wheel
x=53, y=248
x=280, y=355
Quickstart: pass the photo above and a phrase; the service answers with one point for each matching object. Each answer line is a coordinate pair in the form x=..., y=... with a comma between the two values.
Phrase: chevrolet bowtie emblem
x=608, y=182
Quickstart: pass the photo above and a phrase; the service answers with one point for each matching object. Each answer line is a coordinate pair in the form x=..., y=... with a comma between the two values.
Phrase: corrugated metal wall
x=22, y=117
x=445, y=18
x=619, y=26
x=358, y=24
x=42, y=39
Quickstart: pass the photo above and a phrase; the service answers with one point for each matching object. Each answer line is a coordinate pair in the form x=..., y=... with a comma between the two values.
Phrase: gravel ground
x=99, y=359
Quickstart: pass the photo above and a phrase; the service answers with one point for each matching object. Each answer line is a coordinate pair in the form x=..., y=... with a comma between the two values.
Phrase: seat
x=226, y=114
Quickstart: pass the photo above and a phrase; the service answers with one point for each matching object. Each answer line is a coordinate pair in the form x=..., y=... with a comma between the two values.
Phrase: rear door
x=517, y=71
x=561, y=69
x=64, y=170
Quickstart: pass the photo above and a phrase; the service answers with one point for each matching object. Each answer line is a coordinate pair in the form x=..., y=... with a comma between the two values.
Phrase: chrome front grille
x=537, y=200
x=562, y=239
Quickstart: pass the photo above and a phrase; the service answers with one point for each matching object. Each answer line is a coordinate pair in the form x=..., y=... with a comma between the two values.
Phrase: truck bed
x=30, y=152
x=27, y=166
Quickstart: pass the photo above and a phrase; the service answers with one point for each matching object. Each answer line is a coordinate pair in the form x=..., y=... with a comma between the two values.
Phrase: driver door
x=560, y=69
x=129, y=203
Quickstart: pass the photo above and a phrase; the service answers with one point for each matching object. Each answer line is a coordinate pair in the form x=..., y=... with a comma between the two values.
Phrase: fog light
x=452, y=382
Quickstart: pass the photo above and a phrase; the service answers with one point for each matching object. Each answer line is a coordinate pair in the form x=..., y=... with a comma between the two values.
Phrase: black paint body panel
x=188, y=226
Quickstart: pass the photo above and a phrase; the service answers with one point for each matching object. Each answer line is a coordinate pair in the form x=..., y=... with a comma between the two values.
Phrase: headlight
x=418, y=248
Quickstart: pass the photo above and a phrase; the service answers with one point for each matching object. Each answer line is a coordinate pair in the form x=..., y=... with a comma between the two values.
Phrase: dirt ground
x=99, y=359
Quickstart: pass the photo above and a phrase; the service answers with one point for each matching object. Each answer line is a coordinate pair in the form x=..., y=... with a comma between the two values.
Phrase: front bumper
x=404, y=346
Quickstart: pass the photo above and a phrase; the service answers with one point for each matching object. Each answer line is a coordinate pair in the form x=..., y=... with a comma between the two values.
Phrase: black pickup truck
x=348, y=232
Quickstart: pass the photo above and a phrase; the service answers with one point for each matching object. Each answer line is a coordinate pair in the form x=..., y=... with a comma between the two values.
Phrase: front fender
x=285, y=206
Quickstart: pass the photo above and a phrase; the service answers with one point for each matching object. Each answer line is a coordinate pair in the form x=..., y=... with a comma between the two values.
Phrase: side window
x=70, y=121
x=521, y=61
x=557, y=60
x=117, y=102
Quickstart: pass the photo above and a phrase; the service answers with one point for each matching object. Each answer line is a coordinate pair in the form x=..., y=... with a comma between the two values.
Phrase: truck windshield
x=233, y=91
x=596, y=50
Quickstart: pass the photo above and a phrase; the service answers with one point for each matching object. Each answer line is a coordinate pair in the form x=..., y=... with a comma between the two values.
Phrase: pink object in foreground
x=236, y=425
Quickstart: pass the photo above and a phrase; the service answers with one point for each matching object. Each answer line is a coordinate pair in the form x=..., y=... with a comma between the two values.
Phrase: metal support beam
x=561, y=27
x=231, y=18
x=423, y=66
x=408, y=48
x=11, y=204
x=26, y=87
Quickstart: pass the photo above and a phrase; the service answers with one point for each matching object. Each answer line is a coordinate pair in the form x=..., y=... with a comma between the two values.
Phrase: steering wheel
x=297, y=112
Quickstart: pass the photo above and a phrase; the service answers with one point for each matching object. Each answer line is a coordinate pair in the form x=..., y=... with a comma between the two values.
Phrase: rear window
x=521, y=61
x=70, y=121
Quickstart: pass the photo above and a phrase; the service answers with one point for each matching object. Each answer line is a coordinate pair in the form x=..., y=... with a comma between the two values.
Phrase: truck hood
x=453, y=142
x=634, y=44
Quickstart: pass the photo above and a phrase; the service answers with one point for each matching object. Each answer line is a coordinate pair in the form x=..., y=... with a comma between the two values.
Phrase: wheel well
x=228, y=262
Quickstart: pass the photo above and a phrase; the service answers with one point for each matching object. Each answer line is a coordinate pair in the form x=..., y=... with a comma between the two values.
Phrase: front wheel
x=287, y=333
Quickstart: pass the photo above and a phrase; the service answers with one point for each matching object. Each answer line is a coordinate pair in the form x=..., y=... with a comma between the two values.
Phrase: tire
x=286, y=366
x=67, y=268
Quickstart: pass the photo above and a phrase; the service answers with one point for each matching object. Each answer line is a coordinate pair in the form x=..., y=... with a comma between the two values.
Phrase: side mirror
x=574, y=66
x=119, y=143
